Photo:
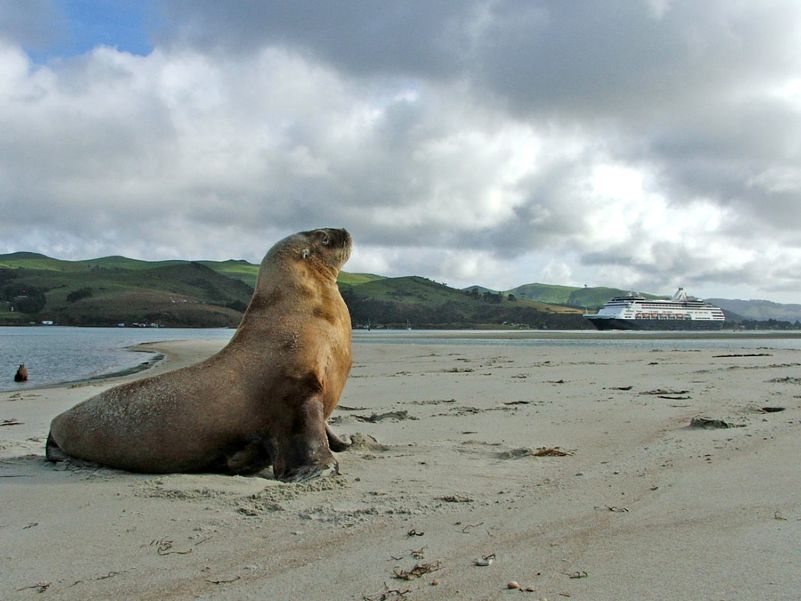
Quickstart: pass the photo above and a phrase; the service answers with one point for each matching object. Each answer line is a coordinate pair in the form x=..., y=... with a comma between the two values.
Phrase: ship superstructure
x=681, y=312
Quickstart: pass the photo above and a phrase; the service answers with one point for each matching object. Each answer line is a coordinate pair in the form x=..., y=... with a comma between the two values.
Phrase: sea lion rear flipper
x=53, y=452
x=251, y=459
x=335, y=443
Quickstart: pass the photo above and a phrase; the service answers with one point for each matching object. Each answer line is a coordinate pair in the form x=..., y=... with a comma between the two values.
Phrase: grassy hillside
x=26, y=260
x=117, y=262
x=111, y=290
x=479, y=290
x=409, y=289
x=354, y=279
x=422, y=303
x=759, y=310
x=544, y=293
x=237, y=269
x=169, y=293
x=573, y=296
x=596, y=297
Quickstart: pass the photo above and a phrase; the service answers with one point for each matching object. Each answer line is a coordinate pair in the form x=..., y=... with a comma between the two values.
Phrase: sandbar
x=572, y=471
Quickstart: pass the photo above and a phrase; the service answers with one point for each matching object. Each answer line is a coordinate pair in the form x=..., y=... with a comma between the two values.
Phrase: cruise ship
x=681, y=312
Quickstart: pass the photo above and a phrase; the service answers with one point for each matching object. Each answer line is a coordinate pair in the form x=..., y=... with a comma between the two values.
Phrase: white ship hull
x=612, y=323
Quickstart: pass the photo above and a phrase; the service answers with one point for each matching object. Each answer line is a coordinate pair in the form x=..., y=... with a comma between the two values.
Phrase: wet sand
x=573, y=469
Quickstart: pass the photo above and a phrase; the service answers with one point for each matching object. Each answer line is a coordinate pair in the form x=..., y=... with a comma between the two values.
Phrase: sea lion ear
x=305, y=253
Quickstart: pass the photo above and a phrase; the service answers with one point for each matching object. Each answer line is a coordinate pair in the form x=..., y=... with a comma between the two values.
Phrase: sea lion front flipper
x=300, y=448
x=335, y=443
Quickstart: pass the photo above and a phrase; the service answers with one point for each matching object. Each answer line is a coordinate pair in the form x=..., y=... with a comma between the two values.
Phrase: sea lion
x=262, y=400
x=22, y=373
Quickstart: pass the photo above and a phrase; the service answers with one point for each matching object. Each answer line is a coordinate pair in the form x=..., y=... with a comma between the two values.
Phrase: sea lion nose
x=343, y=237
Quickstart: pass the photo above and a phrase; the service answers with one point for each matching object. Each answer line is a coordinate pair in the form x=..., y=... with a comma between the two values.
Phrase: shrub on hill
x=78, y=294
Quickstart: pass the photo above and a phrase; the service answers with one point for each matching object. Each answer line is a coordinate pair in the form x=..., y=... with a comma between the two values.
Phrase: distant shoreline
x=143, y=366
x=573, y=335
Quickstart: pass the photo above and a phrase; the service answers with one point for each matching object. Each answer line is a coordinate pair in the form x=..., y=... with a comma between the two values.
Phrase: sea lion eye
x=324, y=238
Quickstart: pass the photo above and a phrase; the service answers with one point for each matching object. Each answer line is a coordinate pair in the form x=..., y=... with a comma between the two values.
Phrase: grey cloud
x=731, y=161
x=673, y=83
x=418, y=37
x=34, y=24
x=251, y=120
x=666, y=263
x=575, y=59
x=619, y=60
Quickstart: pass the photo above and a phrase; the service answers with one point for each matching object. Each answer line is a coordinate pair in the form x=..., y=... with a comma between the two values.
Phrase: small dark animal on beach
x=22, y=374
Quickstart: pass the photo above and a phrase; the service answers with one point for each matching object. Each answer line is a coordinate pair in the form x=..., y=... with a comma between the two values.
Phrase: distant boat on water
x=681, y=312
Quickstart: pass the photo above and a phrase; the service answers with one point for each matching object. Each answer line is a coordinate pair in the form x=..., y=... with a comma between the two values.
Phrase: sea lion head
x=325, y=250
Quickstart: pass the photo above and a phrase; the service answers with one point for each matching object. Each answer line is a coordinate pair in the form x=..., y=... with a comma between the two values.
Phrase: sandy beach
x=570, y=470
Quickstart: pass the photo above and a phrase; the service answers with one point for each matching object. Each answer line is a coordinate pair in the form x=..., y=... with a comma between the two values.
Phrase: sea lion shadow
x=35, y=467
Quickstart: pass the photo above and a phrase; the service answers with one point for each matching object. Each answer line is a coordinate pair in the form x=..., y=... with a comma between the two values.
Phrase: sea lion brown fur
x=22, y=373
x=262, y=400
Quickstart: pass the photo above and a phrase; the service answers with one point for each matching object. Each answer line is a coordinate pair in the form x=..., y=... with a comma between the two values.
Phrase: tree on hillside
x=25, y=299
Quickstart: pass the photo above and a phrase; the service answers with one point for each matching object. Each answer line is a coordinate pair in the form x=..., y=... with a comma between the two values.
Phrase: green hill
x=596, y=297
x=354, y=279
x=27, y=260
x=115, y=289
x=117, y=262
x=408, y=289
x=112, y=290
x=238, y=269
x=544, y=293
x=572, y=296
x=423, y=303
x=760, y=310
x=175, y=294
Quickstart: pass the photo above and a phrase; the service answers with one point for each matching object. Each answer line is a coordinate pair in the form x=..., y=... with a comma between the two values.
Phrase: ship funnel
x=680, y=295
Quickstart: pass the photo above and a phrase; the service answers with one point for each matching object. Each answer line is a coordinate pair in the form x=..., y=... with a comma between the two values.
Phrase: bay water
x=60, y=354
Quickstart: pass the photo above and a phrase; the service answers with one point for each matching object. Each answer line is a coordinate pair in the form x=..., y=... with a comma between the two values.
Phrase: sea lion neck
x=313, y=271
x=280, y=282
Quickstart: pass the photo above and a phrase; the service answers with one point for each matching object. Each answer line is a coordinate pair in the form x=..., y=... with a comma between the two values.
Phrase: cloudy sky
x=640, y=144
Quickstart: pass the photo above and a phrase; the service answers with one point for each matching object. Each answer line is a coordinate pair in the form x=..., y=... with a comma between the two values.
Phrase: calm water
x=56, y=354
